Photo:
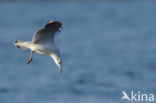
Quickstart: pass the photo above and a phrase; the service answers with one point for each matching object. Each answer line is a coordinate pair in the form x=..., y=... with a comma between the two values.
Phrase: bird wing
x=46, y=34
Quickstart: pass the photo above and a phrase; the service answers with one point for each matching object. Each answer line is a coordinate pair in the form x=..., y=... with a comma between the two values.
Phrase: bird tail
x=20, y=45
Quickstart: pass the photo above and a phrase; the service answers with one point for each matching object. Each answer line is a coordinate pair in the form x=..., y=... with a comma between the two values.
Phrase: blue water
x=107, y=47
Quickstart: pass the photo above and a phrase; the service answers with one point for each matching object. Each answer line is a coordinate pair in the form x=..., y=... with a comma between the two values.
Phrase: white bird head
x=58, y=61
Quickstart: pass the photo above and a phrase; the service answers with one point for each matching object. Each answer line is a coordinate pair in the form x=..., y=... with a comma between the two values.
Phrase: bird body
x=43, y=43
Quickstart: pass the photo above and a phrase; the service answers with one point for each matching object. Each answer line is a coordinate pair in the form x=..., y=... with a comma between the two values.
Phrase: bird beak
x=60, y=69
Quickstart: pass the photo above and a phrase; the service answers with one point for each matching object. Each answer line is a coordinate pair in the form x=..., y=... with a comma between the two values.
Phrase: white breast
x=44, y=48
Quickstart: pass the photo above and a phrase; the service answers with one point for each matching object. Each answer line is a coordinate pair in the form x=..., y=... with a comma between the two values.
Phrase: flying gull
x=43, y=43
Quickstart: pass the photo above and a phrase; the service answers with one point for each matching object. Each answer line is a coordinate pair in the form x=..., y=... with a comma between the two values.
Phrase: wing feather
x=46, y=34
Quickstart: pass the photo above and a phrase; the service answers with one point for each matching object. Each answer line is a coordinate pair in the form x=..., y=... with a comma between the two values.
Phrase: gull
x=43, y=43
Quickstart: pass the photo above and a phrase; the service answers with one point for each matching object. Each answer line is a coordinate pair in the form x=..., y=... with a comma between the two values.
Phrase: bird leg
x=30, y=59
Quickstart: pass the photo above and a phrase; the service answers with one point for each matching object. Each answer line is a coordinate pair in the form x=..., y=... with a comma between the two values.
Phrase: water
x=107, y=47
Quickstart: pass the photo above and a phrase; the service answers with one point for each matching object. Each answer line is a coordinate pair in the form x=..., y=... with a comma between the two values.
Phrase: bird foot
x=28, y=61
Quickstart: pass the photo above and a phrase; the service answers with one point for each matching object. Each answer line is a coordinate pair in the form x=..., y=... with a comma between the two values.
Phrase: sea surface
x=107, y=47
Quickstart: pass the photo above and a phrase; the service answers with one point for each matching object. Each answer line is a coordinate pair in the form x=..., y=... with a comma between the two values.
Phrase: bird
x=43, y=42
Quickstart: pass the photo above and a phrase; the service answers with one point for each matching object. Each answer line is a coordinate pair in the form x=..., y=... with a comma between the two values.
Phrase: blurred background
x=106, y=46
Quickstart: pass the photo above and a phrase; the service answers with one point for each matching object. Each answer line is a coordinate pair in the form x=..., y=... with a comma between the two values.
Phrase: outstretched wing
x=46, y=34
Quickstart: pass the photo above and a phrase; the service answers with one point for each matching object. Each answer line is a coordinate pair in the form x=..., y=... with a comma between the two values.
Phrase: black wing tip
x=50, y=23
